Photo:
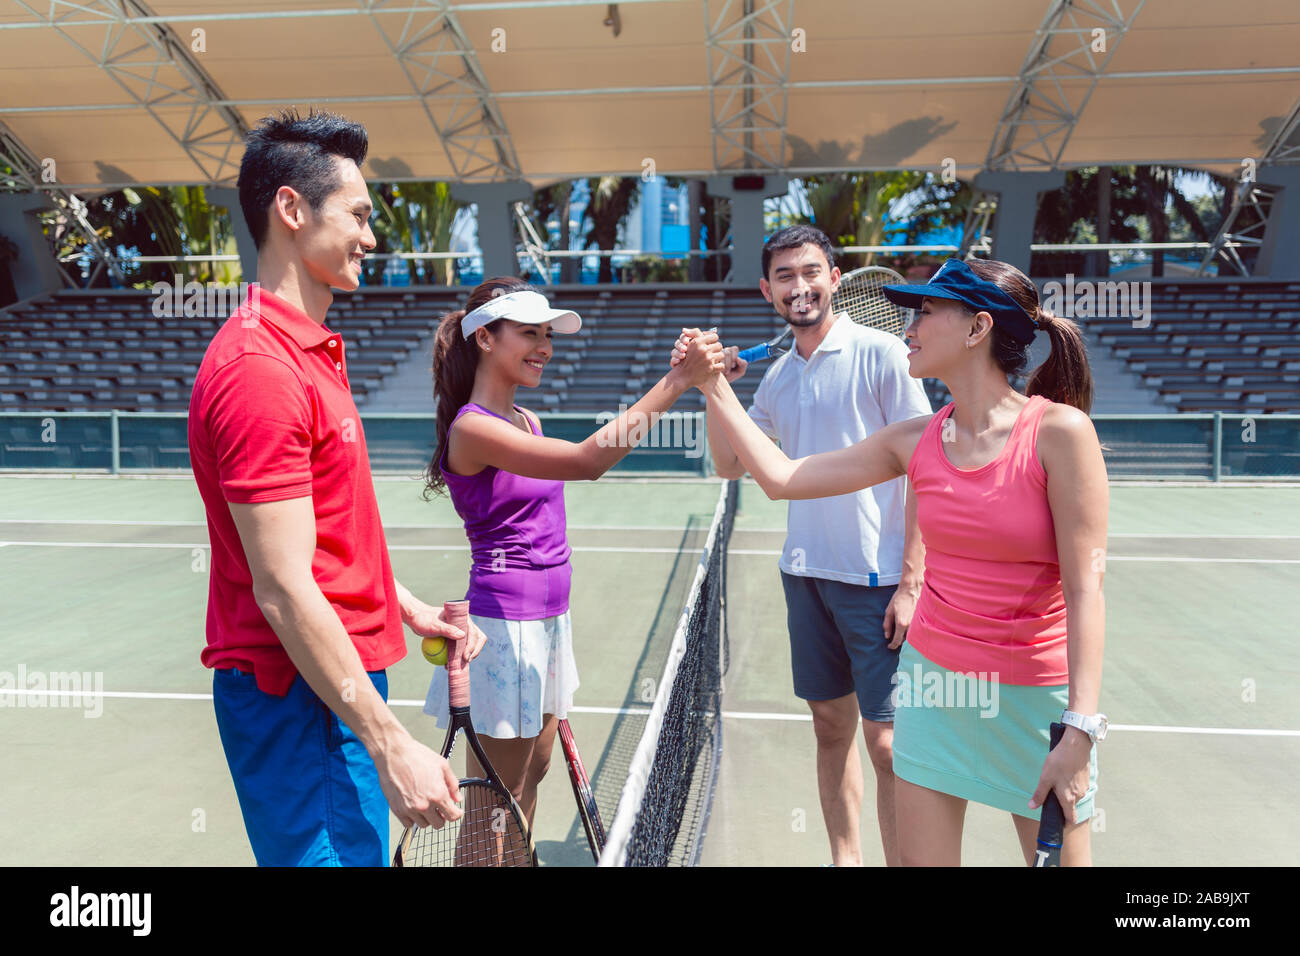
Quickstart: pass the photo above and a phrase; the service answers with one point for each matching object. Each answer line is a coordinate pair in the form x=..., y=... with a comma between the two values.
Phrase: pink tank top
x=992, y=599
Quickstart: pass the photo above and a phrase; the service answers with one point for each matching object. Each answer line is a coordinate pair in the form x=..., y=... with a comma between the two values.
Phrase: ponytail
x=1065, y=377
x=455, y=363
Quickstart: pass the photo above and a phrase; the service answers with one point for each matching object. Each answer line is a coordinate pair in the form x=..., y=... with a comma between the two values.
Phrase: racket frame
x=588, y=811
x=460, y=720
x=779, y=345
x=864, y=319
x=770, y=349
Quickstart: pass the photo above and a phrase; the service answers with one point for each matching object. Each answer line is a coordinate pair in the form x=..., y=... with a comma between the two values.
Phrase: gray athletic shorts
x=837, y=642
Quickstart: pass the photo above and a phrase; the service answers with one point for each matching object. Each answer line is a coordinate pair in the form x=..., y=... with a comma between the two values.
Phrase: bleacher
x=627, y=337
x=105, y=349
x=1215, y=345
x=1212, y=345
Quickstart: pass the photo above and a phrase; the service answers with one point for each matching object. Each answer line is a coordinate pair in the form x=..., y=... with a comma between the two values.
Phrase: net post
x=115, y=464
x=1218, y=446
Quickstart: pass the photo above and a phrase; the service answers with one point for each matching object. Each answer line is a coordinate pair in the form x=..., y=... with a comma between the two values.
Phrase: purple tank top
x=516, y=530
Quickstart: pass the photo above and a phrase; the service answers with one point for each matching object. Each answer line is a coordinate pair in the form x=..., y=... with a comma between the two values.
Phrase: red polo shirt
x=272, y=418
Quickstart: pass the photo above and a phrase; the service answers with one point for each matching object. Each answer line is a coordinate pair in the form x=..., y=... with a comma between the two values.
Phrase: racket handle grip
x=456, y=613
x=754, y=353
x=1051, y=824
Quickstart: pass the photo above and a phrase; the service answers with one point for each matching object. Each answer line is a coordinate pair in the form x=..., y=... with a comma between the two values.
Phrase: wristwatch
x=1094, y=726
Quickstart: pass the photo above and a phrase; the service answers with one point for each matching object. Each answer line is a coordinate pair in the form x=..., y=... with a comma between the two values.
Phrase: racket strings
x=487, y=834
x=861, y=296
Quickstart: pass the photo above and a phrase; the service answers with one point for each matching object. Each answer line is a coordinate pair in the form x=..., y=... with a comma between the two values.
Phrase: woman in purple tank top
x=1011, y=497
x=506, y=481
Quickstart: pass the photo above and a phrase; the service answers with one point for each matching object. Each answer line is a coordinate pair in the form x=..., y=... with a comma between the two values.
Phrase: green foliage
x=612, y=198
x=415, y=217
x=1147, y=204
x=654, y=269
x=875, y=208
x=156, y=221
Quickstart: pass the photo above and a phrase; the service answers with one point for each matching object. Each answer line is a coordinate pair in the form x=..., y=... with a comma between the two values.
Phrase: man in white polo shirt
x=852, y=564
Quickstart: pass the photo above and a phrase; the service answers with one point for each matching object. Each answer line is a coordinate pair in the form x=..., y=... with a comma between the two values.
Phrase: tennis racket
x=587, y=808
x=858, y=295
x=1051, y=823
x=491, y=830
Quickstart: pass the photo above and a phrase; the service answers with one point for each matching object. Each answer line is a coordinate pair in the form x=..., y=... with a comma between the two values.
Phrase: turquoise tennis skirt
x=974, y=738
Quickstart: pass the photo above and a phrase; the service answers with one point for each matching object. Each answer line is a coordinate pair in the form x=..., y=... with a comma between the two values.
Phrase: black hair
x=1065, y=377
x=792, y=237
x=297, y=151
x=455, y=363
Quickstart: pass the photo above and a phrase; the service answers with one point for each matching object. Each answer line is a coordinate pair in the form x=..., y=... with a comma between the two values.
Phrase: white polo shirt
x=854, y=383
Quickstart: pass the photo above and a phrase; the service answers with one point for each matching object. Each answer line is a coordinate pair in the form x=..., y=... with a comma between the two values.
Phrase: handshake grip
x=706, y=332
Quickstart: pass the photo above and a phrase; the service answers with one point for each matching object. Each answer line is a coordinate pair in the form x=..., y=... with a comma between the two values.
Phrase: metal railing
x=1215, y=447
x=625, y=257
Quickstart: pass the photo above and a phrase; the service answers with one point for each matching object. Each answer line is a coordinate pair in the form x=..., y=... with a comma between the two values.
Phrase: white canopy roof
x=543, y=90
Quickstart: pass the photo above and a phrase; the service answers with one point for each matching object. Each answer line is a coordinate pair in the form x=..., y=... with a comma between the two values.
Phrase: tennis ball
x=434, y=650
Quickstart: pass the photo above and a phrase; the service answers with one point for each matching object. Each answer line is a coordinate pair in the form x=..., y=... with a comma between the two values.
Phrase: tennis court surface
x=106, y=590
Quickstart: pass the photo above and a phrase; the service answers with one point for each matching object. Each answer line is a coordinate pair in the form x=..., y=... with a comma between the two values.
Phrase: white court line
x=107, y=521
x=634, y=711
x=391, y=547
x=404, y=527
x=1113, y=557
x=1189, y=534
x=114, y=522
x=748, y=552
x=1109, y=557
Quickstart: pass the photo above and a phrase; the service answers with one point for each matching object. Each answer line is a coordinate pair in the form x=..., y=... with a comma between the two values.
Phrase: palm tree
x=417, y=217
x=8, y=253
x=1141, y=198
x=611, y=199
x=715, y=229
x=854, y=209
x=158, y=221
x=554, y=203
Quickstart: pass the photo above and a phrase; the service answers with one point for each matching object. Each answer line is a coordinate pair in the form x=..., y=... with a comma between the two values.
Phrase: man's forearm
x=320, y=648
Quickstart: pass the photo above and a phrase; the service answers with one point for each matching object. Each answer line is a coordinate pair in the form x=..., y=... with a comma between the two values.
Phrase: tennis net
x=663, y=810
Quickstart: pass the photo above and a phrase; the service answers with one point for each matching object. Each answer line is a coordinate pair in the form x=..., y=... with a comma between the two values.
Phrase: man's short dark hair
x=295, y=151
x=792, y=237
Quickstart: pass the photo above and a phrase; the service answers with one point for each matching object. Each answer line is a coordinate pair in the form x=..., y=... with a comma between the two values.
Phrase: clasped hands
x=698, y=356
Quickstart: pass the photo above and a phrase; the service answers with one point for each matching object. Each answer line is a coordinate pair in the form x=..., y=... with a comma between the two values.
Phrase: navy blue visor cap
x=956, y=280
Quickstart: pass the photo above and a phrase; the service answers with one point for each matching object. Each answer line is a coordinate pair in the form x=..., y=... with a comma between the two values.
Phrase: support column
x=229, y=198
x=1018, y=194
x=747, y=227
x=1279, y=256
x=1101, y=258
x=695, y=264
x=35, y=271
x=496, y=224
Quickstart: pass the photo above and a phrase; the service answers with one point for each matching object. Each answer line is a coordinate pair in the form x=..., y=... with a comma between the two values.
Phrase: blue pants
x=307, y=787
x=838, y=645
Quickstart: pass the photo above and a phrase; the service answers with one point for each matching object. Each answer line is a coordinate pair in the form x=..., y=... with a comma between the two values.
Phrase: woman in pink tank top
x=1011, y=498
x=506, y=481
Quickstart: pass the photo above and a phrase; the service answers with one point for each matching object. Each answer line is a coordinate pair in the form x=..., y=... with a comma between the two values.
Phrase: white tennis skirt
x=526, y=669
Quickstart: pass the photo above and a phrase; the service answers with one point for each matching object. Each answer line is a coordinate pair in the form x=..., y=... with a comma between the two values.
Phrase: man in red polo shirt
x=304, y=614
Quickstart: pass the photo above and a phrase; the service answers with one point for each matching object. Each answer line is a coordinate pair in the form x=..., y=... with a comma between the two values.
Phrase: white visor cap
x=528, y=307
